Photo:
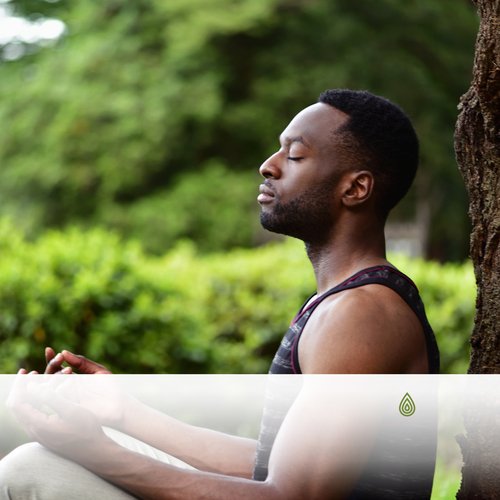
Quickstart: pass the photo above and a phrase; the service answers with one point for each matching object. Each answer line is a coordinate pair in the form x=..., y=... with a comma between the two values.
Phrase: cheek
x=302, y=179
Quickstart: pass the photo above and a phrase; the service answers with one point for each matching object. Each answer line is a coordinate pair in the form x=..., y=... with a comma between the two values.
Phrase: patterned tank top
x=398, y=484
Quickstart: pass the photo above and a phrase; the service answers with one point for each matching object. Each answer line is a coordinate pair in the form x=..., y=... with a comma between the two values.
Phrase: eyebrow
x=290, y=140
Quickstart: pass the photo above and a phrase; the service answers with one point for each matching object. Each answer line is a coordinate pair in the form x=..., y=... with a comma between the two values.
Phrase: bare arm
x=316, y=454
x=202, y=448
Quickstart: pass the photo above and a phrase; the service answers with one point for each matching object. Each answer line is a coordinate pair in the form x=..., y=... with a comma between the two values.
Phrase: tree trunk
x=477, y=147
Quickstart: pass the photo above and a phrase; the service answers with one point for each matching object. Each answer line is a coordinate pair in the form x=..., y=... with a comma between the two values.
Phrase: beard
x=307, y=217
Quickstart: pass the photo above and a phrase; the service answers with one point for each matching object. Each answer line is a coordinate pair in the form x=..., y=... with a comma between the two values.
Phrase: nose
x=270, y=168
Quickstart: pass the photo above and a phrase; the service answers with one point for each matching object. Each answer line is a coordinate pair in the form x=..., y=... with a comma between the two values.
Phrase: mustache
x=269, y=185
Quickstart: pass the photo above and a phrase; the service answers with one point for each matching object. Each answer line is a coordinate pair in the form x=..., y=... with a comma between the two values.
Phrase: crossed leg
x=32, y=472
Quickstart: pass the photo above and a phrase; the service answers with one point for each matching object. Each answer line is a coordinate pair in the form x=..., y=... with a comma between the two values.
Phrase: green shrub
x=180, y=313
x=94, y=294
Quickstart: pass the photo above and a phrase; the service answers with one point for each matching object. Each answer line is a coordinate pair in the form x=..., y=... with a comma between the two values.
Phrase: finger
x=55, y=364
x=82, y=364
x=17, y=390
x=64, y=407
x=67, y=370
x=69, y=388
x=19, y=393
x=24, y=413
x=49, y=354
x=31, y=417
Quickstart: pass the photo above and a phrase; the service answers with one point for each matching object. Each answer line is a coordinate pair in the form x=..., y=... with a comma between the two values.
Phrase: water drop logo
x=407, y=406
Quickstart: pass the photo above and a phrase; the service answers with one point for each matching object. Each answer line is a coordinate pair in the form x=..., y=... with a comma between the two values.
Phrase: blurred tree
x=31, y=8
x=414, y=53
x=138, y=93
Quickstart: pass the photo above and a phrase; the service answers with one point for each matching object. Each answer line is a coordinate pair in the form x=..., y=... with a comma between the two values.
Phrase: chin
x=275, y=225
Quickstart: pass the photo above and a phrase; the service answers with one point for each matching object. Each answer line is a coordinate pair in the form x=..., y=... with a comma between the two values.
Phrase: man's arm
x=317, y=454
x=204, y=449
x=323, y=441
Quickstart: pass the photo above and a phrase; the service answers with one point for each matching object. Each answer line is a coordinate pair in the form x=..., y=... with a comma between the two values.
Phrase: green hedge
x=180, y=313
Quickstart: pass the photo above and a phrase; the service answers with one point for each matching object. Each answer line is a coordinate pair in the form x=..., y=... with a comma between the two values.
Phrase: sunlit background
x=132, y=133
x=131, y=136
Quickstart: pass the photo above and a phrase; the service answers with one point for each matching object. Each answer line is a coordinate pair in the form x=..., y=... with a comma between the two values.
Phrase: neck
x=345, y=252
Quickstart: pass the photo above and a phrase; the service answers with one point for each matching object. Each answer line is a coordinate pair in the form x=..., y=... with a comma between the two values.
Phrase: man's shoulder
x=369, y=329
x=366, y=305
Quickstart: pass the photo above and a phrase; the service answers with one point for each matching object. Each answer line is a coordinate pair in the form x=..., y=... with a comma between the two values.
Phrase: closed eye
x=295, y=158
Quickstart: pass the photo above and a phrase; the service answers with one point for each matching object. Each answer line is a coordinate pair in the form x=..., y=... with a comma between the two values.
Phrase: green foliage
x=95, y=295
x=137, y=84
x=215, y=207
x=139, y=93
x=446, y=482
x=220, y=313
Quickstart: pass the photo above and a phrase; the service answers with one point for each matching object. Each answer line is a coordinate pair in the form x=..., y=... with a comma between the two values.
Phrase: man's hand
x=52, y=419
x=102, y=398
x=76, y=362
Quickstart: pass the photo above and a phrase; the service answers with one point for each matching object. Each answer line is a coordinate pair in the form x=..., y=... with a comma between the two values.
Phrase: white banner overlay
x=377, y=430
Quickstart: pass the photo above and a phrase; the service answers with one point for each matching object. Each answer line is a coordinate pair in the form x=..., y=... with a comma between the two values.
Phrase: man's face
x=297, y=197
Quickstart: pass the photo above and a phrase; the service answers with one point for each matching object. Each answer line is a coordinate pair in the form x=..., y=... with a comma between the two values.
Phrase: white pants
x=32, y=472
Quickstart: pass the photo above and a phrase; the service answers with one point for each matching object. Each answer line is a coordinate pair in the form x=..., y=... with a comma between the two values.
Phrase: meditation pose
x=342, y=164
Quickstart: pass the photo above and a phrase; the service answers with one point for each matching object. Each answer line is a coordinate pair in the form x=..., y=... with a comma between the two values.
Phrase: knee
x=20, y=471
x=34, y=472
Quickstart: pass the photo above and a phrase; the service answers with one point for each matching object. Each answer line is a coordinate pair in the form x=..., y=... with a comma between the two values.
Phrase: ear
x=357, y=187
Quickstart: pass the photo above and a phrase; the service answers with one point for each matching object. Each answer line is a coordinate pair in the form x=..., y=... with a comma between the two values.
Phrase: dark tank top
x=373, y=484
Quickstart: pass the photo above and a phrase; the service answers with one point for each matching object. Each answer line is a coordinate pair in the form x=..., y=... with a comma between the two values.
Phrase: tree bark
x=477, y=147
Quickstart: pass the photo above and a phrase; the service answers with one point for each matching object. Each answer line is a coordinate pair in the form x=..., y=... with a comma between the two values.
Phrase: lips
x=266, y=194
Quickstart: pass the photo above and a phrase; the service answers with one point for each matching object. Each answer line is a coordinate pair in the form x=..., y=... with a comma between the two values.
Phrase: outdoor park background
x=131, y=137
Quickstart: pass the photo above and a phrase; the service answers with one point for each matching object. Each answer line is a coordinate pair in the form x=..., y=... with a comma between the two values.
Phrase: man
x=342, y=164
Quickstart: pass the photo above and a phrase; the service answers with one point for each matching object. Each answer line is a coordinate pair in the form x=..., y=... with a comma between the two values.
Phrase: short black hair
x=384, y=137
